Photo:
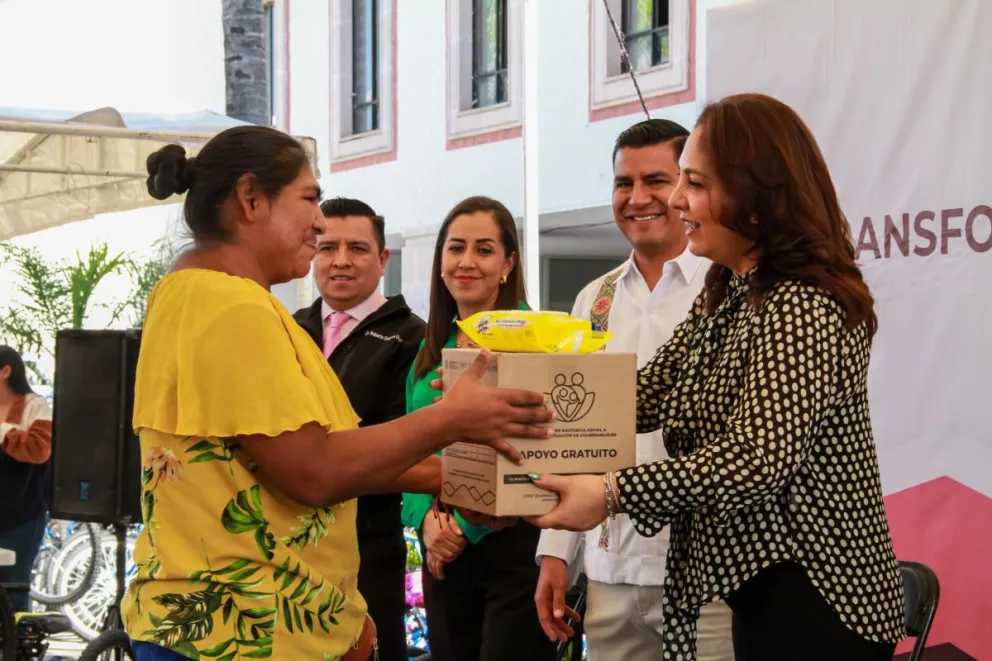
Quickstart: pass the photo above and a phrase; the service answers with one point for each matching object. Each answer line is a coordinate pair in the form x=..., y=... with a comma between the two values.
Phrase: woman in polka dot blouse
x=772, y=490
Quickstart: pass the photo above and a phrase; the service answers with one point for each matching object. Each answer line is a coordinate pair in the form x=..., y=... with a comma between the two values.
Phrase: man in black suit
x=371, y=342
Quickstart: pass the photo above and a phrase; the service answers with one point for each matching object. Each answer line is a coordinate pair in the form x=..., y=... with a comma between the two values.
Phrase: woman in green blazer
x=479, y=587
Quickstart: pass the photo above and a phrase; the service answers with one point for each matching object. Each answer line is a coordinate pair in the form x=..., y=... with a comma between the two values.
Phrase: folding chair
x=922, y=594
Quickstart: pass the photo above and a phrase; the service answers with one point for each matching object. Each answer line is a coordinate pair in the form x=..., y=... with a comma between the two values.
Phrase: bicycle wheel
x=8, y=628
x=88, y=612
x=86, y=535
x=103, y=646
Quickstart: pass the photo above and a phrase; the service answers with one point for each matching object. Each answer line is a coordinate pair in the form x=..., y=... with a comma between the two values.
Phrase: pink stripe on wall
x=485, y=138
x=652, y=102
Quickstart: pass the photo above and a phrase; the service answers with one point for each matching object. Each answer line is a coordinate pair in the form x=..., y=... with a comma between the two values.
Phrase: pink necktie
x=332, y=334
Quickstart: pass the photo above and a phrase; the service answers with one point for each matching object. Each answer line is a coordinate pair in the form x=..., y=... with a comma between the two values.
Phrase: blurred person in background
x=25, y=450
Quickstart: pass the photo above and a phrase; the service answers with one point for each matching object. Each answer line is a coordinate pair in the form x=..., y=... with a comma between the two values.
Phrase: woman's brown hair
x=443, y=308
x=781, y=197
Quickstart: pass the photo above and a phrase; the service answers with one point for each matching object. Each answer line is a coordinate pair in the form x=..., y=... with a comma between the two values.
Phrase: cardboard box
x=595, y=396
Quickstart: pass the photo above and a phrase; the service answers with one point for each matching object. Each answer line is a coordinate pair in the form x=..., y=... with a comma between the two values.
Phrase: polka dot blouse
x=765, y=414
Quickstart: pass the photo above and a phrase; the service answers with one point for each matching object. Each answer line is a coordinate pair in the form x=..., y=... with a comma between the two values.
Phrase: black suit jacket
x=372, y=363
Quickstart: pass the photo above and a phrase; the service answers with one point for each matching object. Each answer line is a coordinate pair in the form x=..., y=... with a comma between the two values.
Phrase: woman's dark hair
x=18, y=380
x=443, y=308
x=781, y=198
x=272, y=157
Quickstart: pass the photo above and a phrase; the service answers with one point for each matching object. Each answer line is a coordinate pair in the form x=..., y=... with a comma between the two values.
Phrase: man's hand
x=485, y=415
x=549, y=597
x=444, y=541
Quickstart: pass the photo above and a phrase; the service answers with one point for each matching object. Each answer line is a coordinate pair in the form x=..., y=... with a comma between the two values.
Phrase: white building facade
x=418, y=104
x=415, y=105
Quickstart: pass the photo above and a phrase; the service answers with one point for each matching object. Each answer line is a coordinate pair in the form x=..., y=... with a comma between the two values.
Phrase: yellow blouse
x=229, y=568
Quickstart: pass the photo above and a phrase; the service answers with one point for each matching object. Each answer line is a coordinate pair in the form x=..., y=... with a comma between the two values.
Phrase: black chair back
x=922, y=594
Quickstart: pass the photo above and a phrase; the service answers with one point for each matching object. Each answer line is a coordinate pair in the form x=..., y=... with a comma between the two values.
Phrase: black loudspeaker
x=96, y=457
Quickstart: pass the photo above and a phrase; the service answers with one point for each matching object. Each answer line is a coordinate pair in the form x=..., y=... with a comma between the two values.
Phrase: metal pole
x=532, y=205
x=625, y=56
x=96, y=131
x=68, y=171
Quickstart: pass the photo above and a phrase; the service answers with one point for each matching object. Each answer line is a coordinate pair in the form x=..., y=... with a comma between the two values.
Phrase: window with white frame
x=645, y=34
x=361, y=78
x=364, y=65
x=392, y=281
x=484, y=66
x=656, y=36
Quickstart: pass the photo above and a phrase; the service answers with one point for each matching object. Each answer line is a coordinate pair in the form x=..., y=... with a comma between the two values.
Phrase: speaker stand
x=113, y=619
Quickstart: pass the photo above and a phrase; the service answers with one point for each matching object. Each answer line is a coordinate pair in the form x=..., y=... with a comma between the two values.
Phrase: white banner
x=899, y=95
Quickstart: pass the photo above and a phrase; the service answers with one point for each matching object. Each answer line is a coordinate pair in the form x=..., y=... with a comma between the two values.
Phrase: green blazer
x=416, y=505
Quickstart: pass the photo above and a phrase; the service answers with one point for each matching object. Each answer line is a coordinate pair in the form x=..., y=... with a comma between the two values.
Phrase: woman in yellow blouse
x=251, y=453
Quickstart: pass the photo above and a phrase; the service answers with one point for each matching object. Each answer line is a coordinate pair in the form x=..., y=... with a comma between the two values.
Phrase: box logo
x=571, y=400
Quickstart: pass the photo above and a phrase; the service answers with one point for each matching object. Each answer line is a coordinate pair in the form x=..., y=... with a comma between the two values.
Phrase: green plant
x=51, y=295
x=144, y=276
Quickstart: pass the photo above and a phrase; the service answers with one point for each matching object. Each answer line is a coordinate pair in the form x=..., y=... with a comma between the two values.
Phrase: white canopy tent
x=61, y=167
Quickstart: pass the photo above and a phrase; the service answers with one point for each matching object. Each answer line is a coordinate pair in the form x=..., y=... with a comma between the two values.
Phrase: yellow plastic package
x=529, y=331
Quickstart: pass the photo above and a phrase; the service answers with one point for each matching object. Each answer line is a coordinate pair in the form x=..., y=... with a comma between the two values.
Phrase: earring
x=753, y=218
x=502, y=280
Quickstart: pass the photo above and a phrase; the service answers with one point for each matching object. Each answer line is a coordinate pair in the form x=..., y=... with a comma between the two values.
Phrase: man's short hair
x=652, y=132
x=339, y=207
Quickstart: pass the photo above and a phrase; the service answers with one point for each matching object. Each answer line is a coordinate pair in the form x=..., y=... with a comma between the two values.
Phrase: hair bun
x=170, y=172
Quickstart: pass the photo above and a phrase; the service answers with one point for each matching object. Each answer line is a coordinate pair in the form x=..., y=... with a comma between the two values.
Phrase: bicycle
x=89, y=612
x=60, y=539
x=24, y=636
x=112, y=642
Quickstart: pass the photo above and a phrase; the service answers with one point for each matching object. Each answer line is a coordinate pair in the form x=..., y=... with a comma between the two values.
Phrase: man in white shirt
x=640, y=303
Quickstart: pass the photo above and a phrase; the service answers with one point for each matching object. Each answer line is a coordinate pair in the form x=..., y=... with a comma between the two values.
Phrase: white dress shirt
x=641, y=320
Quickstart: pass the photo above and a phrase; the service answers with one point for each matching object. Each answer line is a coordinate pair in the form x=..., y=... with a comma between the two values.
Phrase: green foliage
x=244, y=514
x=51, y=295
x=299, y=607
x=413, y=559
x=312, y=528
x=144, y=276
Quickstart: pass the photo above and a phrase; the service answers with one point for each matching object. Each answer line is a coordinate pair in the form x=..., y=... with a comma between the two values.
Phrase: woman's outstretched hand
x=486, y=415
x=582, y=504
